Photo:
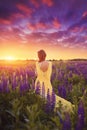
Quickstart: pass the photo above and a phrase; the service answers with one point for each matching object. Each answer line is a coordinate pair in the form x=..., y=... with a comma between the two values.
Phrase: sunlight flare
x=9, y=58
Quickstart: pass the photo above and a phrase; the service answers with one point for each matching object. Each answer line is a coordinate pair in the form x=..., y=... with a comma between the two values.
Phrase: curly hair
x=41, y=55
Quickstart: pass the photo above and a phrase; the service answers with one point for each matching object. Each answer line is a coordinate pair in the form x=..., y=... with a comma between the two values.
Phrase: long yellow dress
x=44, y=77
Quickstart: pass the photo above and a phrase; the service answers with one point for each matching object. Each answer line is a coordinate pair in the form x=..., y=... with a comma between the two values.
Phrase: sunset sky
x=57, y=26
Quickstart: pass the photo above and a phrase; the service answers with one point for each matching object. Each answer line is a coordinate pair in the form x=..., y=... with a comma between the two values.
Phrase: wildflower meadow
x=22, y=107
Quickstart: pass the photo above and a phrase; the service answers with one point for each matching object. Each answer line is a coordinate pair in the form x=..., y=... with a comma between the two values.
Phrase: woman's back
x=44, y=66
x=44, y=70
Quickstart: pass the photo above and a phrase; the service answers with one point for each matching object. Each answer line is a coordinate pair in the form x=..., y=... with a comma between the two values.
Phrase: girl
x=44, y=71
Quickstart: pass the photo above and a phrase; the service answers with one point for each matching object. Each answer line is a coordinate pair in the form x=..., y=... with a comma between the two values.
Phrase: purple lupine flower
x=53, y=76
x=81, y=115
x=27, y=85
x=81, y=109
x=7, y=90
x=67, y=122
x=4, y=83
x=70, y=74
x=53, y=67
x=14, y=84
x=60, y=76
x=23, y=87
x=59, y=90
x=69, y=87
x=65, y=81
x=1, y=87
x=33, y=85
x=31, y=73
x=48, y=103
x=38, y=89
x=53, y=100
x=79, y=125
x=60, y=116
x=62, y=91
x=48, y=96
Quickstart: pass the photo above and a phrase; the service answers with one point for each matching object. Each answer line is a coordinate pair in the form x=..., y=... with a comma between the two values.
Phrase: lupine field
x=22, y=107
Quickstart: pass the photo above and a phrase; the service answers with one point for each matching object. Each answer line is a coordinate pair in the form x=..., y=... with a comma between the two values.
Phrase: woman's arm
x=50, y=68
x=36, y=70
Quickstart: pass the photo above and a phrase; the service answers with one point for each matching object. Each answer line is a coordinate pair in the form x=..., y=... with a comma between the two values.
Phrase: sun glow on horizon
x=9, y=58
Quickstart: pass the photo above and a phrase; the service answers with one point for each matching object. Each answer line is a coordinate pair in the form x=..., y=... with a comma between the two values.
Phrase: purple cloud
x=46, y=21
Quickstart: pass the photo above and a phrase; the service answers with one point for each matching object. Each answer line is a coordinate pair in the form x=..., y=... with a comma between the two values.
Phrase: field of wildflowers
x=22, y=107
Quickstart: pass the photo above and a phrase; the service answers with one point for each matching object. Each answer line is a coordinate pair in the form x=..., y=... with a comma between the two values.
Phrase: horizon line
x=46, y=59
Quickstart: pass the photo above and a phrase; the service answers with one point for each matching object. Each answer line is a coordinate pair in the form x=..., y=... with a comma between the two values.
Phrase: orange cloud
x=75, y=29
x=36, y=26
x=31, y=27
x=84, y=14
x=25, y=9
x=56, y=23
x=18, y=15
x=5, y=21
x=48, y=2
x=41, y=25
x=35, y=3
